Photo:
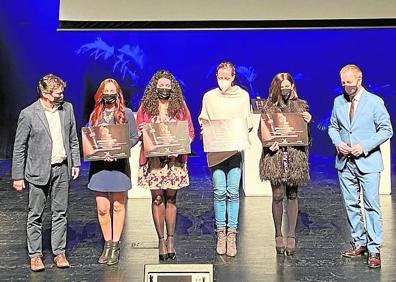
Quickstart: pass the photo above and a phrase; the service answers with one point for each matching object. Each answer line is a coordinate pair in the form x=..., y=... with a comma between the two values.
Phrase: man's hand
x=307, y=117
x=343, y=148
x=75, y=172
x=356, y=150
x=274, y=147
x=19, y=185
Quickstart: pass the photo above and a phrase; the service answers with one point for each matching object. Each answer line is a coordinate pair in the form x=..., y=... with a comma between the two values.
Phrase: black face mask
x=109, y=99
x=164, y=93
x=58, y=101
x=350, y=91
x=285, y=94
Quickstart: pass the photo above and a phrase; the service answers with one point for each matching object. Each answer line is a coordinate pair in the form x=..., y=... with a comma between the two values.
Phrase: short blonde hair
x=226, y=65
x=354, y=69
x=49, y=83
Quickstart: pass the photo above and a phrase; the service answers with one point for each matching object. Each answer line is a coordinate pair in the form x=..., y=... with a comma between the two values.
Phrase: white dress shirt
x=58, y=154
x=356, y=99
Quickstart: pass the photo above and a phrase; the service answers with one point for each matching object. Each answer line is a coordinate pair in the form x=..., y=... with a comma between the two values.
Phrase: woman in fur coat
x=286, y=167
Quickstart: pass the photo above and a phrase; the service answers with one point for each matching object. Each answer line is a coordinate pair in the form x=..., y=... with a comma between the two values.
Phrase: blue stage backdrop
x=31, y=47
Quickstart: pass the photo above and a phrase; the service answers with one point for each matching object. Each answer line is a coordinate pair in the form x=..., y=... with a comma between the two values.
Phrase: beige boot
x=221, y=241
x=231, y=242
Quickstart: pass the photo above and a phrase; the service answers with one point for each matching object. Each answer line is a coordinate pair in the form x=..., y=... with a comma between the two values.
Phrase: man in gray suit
x=359, y=124
x=46, y=155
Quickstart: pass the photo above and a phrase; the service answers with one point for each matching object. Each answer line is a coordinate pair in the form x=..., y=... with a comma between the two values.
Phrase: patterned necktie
x=352, y=110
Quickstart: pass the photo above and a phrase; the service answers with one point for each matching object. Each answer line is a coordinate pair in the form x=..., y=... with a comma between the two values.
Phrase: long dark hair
x=150, y=100
x=275, y=95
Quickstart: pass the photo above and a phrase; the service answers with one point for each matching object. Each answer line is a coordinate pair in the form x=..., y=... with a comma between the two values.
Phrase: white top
x=356, y=99
x=58, y=154
x=234, y=103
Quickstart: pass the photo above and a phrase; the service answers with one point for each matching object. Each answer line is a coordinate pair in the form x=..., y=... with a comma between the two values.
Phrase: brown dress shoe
x=374, y=260
x=355, y=251
x=61, y=261
x=36, y=264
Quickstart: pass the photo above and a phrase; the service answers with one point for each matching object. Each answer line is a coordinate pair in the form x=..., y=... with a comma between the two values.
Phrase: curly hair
x=99, y=108
x=150, y=100
x=275, y=89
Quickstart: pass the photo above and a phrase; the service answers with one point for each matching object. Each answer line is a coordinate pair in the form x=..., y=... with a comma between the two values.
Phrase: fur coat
x=271, y=163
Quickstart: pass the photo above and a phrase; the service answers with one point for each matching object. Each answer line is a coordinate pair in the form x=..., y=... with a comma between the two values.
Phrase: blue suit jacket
x=370, y=127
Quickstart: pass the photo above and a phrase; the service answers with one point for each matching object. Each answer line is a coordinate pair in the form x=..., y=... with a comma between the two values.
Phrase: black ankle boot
x=106, y=251
x=114, y=256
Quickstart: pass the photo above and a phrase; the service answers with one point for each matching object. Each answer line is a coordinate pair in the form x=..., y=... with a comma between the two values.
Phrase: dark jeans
x=57, y=189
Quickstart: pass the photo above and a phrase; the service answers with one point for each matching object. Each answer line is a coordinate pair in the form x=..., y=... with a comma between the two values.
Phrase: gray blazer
x=33, y=144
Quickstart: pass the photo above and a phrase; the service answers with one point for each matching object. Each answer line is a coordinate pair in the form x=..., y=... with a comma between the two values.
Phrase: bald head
x=351, y=79
x=353, y=69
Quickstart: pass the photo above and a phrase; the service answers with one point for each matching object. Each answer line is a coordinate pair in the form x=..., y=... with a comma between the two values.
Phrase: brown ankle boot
x=231, y=242
x=221, y=241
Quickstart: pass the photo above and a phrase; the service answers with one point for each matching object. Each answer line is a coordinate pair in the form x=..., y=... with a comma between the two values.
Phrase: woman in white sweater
x=227, y=101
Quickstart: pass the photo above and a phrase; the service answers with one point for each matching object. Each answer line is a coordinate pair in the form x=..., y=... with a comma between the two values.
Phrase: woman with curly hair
x=110, y=179
x=163, y=102
x=285, y=167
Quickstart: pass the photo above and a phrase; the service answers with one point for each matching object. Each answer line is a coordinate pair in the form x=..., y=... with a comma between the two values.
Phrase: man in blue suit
x=359, y=124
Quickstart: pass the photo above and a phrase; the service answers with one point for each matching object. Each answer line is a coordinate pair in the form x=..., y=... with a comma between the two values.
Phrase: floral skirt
x=163, y=173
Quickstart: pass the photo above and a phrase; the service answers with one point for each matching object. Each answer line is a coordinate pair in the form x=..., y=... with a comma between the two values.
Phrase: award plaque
x=225, y=135
x=257, y=104
x=105, y=141
x=166, y=138
x=288, y=129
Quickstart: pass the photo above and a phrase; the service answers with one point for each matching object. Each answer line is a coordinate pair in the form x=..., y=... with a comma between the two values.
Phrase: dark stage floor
x=322, y=235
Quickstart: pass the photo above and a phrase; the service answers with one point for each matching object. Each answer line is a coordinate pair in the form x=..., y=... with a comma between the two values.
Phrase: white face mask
x=224, y=84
